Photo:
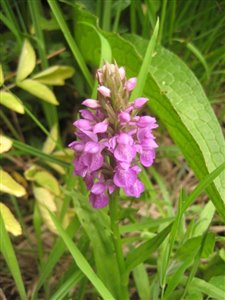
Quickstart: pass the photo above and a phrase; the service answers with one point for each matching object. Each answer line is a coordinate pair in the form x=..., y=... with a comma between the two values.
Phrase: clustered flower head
x=112, y=140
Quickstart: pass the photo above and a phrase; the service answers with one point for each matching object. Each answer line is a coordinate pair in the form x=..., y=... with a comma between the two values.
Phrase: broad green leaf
x=208, y=289
x=26, y=62
x=10, y=186
x=176, y=97
x=6, y=248
x=55, y=75
x=208, y=245
x=81, y=262
x=50, y=143
x=219, y=282
x=5, y=143
x=46, y=203
x=97, y=226
x=1, y=76
x=11, y=224
x=11, y=101
x=43, y=178
x=39, y=90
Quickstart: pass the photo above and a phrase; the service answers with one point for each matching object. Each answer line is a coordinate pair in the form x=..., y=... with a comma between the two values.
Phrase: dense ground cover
x=167, y=243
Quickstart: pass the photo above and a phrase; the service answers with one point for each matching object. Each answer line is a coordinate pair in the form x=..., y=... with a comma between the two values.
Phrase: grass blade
x=143, y=73
x=70, y=40
x=140, y=254
x=7, y=251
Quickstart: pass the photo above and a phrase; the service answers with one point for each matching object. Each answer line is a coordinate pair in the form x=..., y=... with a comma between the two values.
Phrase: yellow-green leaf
x=43, y=178
x=55, y=75
x=39, y=90
x=5, y=143
x=11, y=101
x=11, y=224
x=26, y=62
x=45, y=202
x=1, y=76
x=10, y=186
x=50, y=143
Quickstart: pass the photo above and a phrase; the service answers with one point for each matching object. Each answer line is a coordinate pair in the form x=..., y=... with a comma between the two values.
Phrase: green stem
x=114, y=216
x=107, y=15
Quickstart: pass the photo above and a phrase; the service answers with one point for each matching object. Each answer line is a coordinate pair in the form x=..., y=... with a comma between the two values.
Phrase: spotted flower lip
x=112, y=140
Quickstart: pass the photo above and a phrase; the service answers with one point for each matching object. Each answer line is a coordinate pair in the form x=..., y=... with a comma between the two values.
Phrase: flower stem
x=114, y=216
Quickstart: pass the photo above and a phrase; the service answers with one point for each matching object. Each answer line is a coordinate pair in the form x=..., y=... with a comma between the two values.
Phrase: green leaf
x=142, y=252
x=11, y=224
x=11, y=101
x=208, y=245
x=70, y=40
x=39, y=90
x=46, y=203
x=10, y=186
x=143, y=73
x=218, y=281
x=208, y=289
x=43, y=178
x=1, y=76
x=55, y=75
x=67, y=285
x=24, y=148
x=8, y=253
x=50, y=143
x=81, y=262
x=26, y=62
x=142, y=282
x=5, y=143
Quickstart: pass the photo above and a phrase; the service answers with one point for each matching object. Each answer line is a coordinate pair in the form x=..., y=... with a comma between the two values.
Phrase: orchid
x=112, y=140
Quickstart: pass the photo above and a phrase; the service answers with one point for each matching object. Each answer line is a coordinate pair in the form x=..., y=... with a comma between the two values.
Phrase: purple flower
x=112, y=140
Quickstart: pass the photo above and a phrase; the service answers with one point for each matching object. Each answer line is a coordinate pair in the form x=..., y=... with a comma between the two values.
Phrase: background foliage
x=53, y=244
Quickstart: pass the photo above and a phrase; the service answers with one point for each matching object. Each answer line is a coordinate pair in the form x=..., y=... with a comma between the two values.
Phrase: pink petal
x=91, y=103
x=130, y=84
x=77, y=146
x=123, y=178
x=125, y=139
x=98, y=188
x=101, y=127
x=99, y=201
x=83, y=124
x=86, y=114
x=79, y=167
x=147, y=158
x=148, y=144
x=124, y=117
x=92, y=147
x=104, y=91
x=139, y=102
x=147, y=121
x=122, y=73
x=125, y=153
x=93, y=161
x=135, y=189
